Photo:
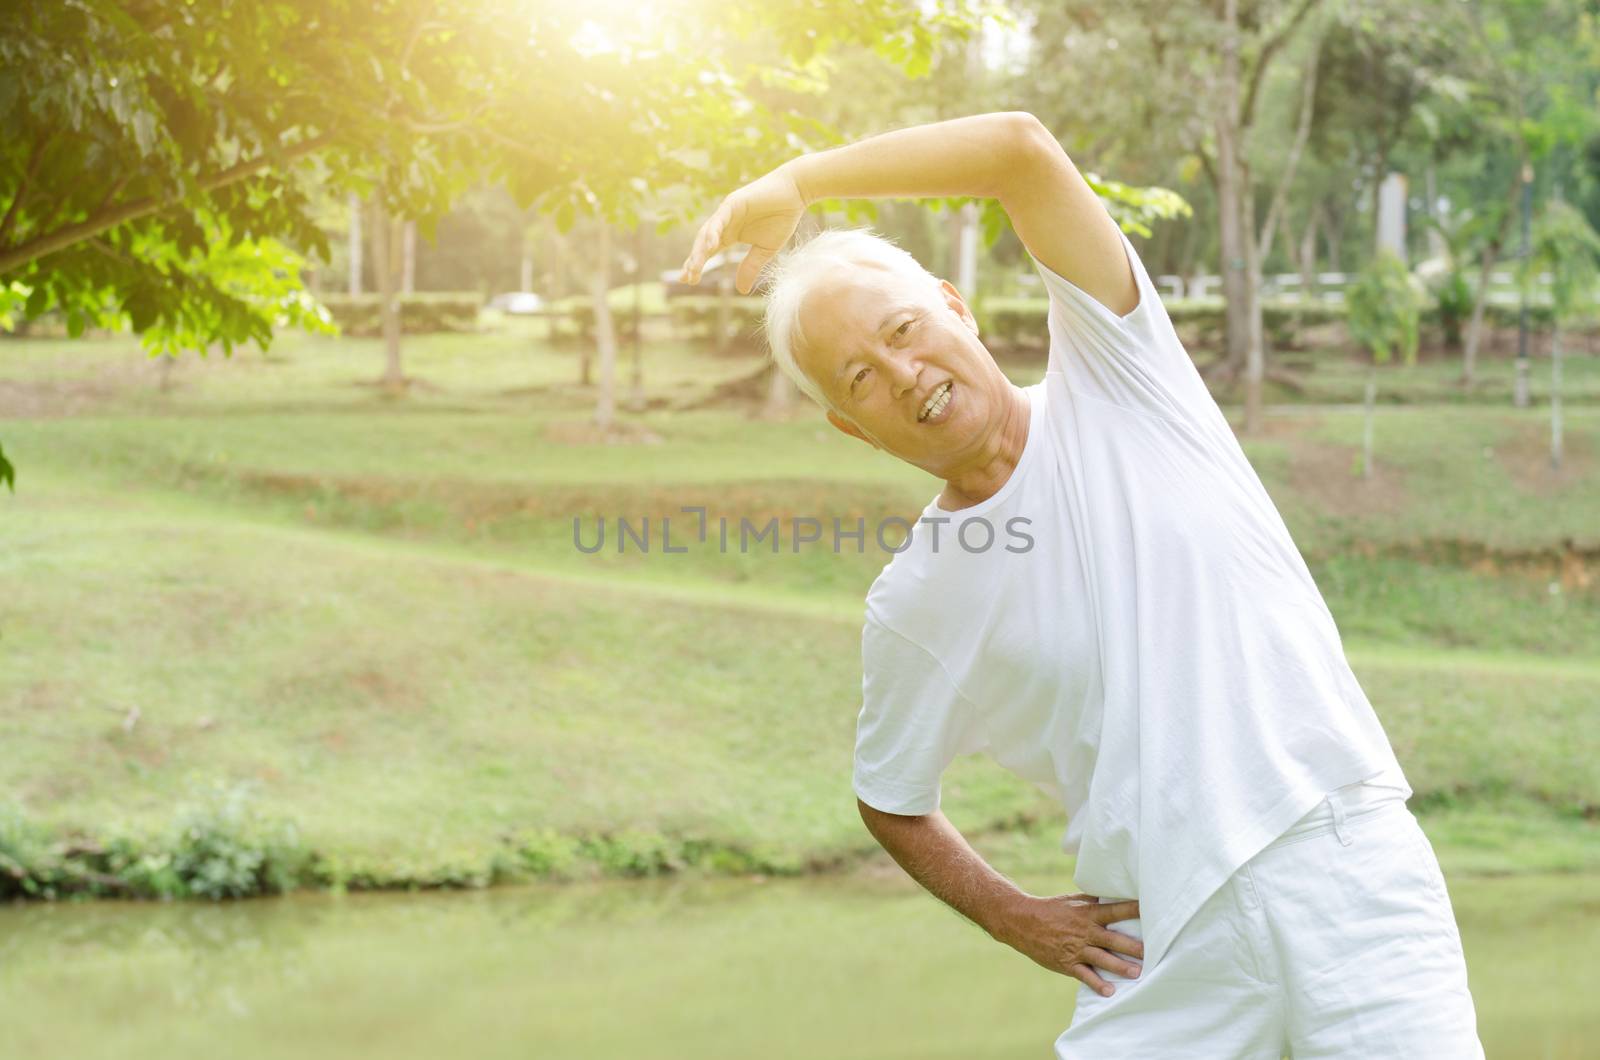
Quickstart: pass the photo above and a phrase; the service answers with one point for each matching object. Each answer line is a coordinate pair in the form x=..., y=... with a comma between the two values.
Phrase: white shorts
x=1337, y=940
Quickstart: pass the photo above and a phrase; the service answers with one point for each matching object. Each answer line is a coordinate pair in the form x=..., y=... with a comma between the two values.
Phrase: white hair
x=796, y=271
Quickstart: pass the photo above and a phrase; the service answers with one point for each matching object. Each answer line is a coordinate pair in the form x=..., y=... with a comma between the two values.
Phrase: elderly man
x=1153, y=653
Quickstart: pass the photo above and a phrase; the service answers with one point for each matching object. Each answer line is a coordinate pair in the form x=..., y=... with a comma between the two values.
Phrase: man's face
x=880, y=344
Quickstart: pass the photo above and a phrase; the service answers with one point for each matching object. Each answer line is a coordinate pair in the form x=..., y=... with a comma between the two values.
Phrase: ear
x=958, y=305
x=849, y=428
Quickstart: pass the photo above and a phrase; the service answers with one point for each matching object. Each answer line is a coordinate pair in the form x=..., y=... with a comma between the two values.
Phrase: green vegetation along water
x=860, y=966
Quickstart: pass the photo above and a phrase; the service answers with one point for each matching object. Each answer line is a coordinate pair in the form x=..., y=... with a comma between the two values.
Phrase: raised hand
x=763, y=213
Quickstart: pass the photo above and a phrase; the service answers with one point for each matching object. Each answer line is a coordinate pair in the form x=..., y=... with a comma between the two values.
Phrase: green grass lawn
x=369, y=613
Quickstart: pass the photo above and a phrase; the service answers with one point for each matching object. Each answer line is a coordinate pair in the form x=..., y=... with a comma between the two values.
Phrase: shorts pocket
x=1427, y=862
x=1424, y=857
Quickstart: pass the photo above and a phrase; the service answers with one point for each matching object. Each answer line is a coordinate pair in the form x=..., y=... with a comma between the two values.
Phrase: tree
x=158, y=150
x=1383, y=309
x=1202, y=70
x=1529, y=69
x=1565, y=246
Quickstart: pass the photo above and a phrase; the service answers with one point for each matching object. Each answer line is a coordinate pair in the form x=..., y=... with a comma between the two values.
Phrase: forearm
x=960, y=157
x=937, y=856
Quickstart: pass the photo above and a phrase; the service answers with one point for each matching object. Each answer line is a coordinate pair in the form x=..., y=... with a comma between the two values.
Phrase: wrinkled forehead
x=846, y=309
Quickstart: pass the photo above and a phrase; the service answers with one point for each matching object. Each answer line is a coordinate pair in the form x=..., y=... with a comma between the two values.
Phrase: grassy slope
x=374, y=614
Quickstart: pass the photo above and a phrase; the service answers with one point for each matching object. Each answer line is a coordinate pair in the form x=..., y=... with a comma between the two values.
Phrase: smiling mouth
x=937, y=402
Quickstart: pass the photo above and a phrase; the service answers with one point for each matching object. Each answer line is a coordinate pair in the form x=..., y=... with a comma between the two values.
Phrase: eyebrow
x=896, y=311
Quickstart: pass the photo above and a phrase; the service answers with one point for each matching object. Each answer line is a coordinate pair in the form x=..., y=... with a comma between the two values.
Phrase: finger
x=1110, y=962
x=702, y=248
x=710, y=240
x=1117, y=942
x=1087, y=974
x=1114, y=911
x=750, y=269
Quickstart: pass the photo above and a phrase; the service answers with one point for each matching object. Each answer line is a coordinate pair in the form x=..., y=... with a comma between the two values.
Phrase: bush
x=1017, y=321
x=216, y=848
x=695, y=316
x=581, y=318
x=1452, y=305
x=1384, y=308
x=420, y=314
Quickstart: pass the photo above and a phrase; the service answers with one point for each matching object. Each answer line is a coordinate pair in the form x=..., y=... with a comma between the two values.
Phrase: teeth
x=936, y=403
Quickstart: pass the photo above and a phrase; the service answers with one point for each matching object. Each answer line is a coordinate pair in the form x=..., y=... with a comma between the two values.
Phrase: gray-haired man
x=1159, y=658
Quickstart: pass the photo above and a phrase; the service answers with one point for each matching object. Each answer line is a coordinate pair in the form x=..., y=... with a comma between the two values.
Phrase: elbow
x=1027, y=133
x=1030, y=146
x=870, y=815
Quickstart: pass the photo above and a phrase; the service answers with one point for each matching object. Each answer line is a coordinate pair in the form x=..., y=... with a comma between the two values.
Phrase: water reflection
x=847, y=967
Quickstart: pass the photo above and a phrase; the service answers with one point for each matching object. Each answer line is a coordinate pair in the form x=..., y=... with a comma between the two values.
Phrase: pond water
x=842, y=967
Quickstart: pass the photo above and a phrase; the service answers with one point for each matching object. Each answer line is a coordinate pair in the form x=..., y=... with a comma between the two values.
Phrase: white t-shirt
x=1141, y=638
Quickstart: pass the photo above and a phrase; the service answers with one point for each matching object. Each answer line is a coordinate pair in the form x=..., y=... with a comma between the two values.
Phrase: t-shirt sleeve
x=913, y=723
x=1135, y=360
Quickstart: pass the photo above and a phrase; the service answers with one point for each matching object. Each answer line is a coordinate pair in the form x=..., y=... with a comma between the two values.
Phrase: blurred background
x=335, y=331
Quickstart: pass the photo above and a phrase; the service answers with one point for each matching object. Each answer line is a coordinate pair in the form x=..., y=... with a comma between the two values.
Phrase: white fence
x=1329, y=286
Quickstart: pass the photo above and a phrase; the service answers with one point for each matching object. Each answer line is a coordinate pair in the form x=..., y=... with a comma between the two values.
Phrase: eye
x=859, y=376
x=901, y=330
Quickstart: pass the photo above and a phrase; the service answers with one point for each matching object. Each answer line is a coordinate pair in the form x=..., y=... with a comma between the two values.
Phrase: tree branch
x=1207, y=165
x=112, y=216
x=115, y=190
x=1301, y=134
x=34, y=159
x=428, y=128
x=1247, y=113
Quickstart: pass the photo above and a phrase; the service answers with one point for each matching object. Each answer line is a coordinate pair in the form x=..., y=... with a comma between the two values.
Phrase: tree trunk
x=952, y=230
x=1308, y=257
x=1236, y=224
x=1437, y=247
x=353, y=203
x=1555, y=395
x=384, y=235
x=1334, y=233
x=966, y=279
x=1366, y=421
x=1255, y=351
x=780, y=395
x=1519, y=389
x=724, y=310
x=1469, y=351
x=1486, y=263
x=408, y=267
x=605, y=335
x=636, y=395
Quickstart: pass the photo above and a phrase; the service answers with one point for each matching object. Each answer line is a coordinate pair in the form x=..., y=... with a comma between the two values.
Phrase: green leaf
x=8, y=473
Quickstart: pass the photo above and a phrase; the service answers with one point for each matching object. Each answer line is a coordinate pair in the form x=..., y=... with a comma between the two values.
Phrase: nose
x=905, y=372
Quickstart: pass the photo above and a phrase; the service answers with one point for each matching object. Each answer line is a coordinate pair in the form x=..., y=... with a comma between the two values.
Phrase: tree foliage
x=159, y=152
x=1564, y=245
x=1385, y=308
x=148, y=138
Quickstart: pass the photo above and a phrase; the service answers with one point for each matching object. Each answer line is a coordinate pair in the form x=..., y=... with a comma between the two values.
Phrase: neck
x=980, y=478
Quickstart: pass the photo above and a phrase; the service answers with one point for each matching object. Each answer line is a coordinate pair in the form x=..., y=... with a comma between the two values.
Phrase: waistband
x=1340, y=804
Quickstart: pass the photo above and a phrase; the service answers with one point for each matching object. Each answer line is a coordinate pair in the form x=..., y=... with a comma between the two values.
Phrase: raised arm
x=1009, y=156
x=1065, y=933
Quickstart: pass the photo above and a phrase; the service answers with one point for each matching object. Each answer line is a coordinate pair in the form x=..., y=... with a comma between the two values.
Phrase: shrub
x=695, y=316
x=420, y=314
x=1015, y=321
x=1452, y=305
x=1384, y=307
